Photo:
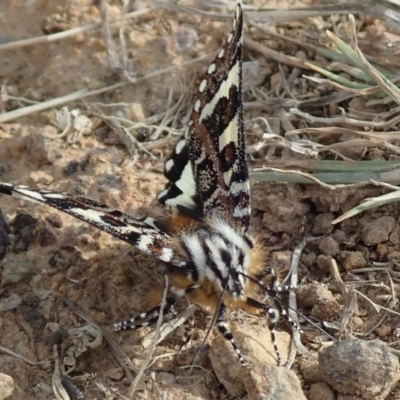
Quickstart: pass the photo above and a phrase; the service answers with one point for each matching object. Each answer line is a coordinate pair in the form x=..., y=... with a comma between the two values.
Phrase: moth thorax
x=220, y=254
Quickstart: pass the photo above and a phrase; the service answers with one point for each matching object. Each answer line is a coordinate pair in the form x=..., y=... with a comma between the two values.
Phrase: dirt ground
x=108, y=280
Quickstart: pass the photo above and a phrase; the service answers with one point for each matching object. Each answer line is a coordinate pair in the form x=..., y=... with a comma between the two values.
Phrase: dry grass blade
x=65, y=34
x=113, y=58
x=45, y=105
x=392, y=303
x=356, y=64
x=369, y=204
x=27, y=360
x=298, y=345
x=352, y=56
x=139, y=377
x=381, y=166
x=121, y=127
x=275, y=55
x=300, y=13
x=269, y=16
x=383, y=82
x=329, y=180
x=169, y=327
x=190, y=10
x=349, y=298
x=58, y=389
x=341, y=83
x=270, y=138
x=121, y=357
x=81, y=94
x=343, y=119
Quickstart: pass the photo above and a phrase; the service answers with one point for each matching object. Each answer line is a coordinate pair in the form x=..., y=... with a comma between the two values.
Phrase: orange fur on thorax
x=179, y=222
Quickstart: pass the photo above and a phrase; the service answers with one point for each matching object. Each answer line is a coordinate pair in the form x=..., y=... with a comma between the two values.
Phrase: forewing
x=207, y=170
x=216, y=139
x=141, y=233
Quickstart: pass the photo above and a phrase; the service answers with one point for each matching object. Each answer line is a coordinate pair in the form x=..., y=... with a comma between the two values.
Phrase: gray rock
x=377, y=231
x=262, y=377
x=364, y=368
x=272, y=383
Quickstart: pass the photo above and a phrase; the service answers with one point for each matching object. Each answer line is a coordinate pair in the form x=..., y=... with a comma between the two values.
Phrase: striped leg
x=274, y=285
x=154, y=312
x=273, y=315
x=224, y=330
x=284, y=288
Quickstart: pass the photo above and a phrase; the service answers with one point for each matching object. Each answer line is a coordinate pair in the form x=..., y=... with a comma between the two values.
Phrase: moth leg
x=273, y=318
x=154, y=312
x=224, y=330
x=275, y=281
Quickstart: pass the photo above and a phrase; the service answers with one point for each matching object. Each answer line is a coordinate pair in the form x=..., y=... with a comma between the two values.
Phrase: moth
x=205, y=246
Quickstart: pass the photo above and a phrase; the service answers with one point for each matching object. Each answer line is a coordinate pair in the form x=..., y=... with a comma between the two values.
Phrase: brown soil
x=107, y=279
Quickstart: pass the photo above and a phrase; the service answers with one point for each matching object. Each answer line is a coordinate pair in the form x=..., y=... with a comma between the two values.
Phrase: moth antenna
x=273, y=294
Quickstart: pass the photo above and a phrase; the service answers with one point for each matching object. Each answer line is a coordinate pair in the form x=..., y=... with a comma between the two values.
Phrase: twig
x=169, y=326
x=81, y=94
x=30, y=362
x=58, y=389
x=292, y=309
x=65, y=34
x=147, y=361
x=113, y=59
x=121, y=357
x=342, y=119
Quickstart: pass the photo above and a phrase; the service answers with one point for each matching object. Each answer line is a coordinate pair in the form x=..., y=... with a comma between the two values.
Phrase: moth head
x=236, y=284
x=240, y=261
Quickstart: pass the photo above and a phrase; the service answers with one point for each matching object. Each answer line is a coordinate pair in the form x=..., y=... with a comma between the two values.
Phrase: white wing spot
x=202, y=86
x=241, y=212
x=54, y=196
x=223, y=91
x=26, y=194
x=144, y=242
x=179, y=146
x=89, y=215
x=211, y=68
x=229, y=39
x=237, y=16
x=169, y=164
x=197, y=105
x=221, y=53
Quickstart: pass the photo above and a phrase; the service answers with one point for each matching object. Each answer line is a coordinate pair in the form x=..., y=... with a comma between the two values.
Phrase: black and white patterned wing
x=208, y=168
x=181, y=192
x=141, y=233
